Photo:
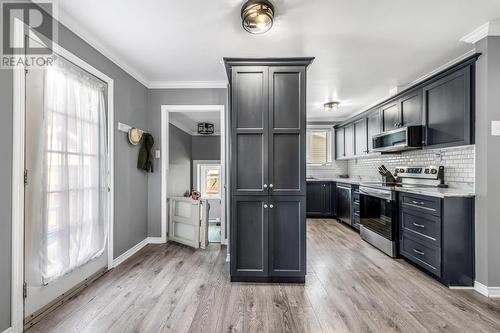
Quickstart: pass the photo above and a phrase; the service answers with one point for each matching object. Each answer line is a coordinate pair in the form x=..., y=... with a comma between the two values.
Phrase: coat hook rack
x=125, y=128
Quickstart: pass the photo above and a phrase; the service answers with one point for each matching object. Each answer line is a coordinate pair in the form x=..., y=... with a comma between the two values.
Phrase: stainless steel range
x=378, y=203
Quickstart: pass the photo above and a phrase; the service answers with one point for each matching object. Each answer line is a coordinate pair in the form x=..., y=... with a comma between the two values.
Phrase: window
x=319, y=146
x=73, y=171
x=210, y=181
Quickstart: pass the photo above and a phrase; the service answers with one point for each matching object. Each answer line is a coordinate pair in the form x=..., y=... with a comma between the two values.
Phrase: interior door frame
x=18, y=165
x=165, y=119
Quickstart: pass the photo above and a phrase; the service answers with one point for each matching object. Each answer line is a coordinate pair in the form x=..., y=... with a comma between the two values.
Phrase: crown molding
x=67, y=20
x=491, y=28
x=187, y=84
x=75, y=27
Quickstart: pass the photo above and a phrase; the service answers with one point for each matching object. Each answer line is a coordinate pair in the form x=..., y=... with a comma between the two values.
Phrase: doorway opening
x=194, y=175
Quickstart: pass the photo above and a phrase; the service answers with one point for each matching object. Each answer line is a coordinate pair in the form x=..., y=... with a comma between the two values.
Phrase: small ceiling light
x=331, y=106
x=257, y=16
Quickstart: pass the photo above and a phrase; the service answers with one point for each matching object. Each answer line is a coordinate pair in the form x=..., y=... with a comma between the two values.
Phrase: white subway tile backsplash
x=335, y=169
x=458, y=163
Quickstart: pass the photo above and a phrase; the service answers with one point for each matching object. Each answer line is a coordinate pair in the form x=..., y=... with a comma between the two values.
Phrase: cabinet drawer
x=421, y=253
x=429, y=205
x=425, y=225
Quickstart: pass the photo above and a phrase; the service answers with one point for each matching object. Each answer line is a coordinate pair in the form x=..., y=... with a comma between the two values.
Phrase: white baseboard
x=130, y=252
x=156, y=240
x=461, y=288
x=9, y=330
x=492, y=292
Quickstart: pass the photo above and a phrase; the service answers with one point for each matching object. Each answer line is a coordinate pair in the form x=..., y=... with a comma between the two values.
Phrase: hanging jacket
x=145, y=160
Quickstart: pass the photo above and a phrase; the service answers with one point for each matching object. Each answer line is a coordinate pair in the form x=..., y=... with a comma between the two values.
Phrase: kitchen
x=405, y=177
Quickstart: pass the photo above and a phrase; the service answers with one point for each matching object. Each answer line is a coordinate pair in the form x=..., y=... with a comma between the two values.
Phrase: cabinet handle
x=271, y=185
x=421, y=203
x=271, y=206
x=418, y=252
x=265, y=185
x=265, y=206
x=418, y=225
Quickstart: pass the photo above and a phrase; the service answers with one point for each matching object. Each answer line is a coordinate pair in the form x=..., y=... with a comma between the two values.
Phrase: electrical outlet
x=495, y=128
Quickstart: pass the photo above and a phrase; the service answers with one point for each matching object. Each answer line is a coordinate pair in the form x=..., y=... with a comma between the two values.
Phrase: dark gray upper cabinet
x=447, y=106
x=411, y=108
x=360, y=137
x=287, y=236
x=249, y=135
x=249, y=230
x=339, y=143
x=349, y=141
x=374, y=128
x=287, y=119
x=390, y=115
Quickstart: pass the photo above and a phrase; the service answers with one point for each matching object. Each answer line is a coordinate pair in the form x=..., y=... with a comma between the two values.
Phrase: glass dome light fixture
x=257, y=16
x=331, y=106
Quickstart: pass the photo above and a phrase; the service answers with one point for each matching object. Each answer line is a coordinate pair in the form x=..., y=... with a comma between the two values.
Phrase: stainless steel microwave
x=405, y=138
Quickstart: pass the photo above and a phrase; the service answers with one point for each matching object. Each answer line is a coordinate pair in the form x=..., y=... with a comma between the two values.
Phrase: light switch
x=157, y=153
x=495, y=128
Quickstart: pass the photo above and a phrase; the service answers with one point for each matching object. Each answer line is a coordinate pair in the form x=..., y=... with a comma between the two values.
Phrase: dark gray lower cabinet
x=249, y=256
x=320, y=199
x=270, y=239
x=437, y=235
x=287, y=236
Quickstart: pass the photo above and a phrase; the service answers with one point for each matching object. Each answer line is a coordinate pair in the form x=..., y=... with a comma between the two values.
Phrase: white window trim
x=197, y=164
x=18, y=162
x=330, y=144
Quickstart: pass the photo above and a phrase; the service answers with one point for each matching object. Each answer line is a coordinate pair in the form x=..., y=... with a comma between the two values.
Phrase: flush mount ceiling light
x=257, y=16
x=331, y=106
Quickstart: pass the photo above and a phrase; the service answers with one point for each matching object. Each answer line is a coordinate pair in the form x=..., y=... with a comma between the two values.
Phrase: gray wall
x=5, y=195
x=206, y=147
x=130, y=103
x=487, y=163
x=180, y=161
x=157, y=98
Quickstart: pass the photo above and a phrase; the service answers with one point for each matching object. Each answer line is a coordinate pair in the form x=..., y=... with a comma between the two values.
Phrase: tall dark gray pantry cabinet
x=268, y=168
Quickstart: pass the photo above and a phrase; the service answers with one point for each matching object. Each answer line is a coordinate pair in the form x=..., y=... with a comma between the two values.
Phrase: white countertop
x=430, y=191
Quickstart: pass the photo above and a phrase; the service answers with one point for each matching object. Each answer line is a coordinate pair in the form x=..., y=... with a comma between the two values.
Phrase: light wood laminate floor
x=350, y=287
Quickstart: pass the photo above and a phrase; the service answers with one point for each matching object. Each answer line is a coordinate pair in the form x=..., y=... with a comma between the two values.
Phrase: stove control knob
x=427, y=171
x=434, y=171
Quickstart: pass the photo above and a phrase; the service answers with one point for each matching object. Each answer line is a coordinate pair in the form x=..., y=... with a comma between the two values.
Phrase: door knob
x=271, y=185
x=265, y=185
x=265, y=205
x=271, y=206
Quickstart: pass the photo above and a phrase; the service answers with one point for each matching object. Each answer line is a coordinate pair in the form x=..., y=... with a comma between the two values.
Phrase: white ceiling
x=363, y=48
x=188, y=121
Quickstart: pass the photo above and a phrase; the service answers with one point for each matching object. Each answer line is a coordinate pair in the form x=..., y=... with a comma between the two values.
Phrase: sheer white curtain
x=71, y=180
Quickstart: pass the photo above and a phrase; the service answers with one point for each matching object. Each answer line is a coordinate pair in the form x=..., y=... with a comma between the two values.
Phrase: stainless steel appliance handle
x=387, y=195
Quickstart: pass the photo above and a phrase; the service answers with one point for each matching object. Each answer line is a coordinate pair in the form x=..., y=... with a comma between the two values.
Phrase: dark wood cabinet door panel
x=421, y=253
x=288, y=173
x=287, y=131
x=287, y=236
x=250, y=165
x=349, y=141
x=390, y=116
x=373, y=128
x=447, y=105
x=249, y=236
x=250, y=93
x=339, y=143
x=411, y=108
x=360, y=137
x=286, y=93
x=314, y=203
x=249, y=130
